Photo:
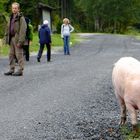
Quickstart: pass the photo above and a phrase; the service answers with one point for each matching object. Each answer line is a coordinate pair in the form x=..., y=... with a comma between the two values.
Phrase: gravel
x=71, y=98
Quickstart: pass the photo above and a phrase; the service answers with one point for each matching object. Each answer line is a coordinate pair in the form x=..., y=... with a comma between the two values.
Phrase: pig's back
x=128, y=66
x=125, y=68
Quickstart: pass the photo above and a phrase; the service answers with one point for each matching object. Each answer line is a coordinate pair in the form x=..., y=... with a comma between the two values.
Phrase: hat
x=45, y=22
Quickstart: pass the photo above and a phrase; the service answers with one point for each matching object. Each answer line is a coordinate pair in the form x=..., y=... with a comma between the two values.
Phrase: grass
x=57, y=43
x=133, y=32
x=128, y=134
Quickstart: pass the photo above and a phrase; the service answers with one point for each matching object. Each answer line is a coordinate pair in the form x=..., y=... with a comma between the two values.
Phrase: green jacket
x=19, y=29
x=31, y=32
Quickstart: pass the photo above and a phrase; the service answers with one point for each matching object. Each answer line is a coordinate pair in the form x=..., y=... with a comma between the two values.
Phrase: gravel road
x=70, y=98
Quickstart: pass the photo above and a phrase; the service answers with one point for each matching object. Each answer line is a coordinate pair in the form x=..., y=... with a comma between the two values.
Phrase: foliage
x=2, y=25
x=58, y=27
x=3, y=4
x=89, y=16
x=111, y=15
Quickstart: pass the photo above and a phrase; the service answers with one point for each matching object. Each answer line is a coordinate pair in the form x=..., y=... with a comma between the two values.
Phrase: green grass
x=128, y=134
x=133, y=32
x=57, y=43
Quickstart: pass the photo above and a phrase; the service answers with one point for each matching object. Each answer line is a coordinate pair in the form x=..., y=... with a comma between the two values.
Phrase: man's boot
x=9, y=73
x=18, y=73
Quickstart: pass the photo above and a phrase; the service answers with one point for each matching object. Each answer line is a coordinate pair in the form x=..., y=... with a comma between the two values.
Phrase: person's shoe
x=18, y=73
x=38, y=60
x=48, y=60
x=8, y=73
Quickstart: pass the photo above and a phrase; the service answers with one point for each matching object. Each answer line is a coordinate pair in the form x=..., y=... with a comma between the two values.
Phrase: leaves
x=87, y=15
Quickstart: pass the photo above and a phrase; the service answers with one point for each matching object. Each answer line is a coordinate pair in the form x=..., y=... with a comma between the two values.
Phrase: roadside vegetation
x=111, y=16
x=128, y=134
x=57, y=43
x=133, y=32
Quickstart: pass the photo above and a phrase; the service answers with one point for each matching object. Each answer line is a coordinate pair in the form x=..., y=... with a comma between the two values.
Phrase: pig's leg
x=133, y=114
x=123, y=110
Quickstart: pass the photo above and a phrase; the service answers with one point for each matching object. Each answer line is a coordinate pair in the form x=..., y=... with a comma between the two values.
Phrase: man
x=44, y=39
x=15, y=37
x=29, y=38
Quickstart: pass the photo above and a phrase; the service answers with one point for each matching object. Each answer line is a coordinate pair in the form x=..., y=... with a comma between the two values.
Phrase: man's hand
x=19, y=46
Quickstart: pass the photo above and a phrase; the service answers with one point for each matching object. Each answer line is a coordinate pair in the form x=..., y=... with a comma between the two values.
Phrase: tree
x=86, y=15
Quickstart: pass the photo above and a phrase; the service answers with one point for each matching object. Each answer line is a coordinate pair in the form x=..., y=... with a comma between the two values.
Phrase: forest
x=110, y=16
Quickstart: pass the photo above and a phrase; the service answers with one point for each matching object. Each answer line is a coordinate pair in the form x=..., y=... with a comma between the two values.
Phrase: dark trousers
x=26, y=52
x=48, y=51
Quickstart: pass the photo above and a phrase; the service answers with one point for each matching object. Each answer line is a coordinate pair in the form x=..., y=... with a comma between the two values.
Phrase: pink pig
x=126, y=82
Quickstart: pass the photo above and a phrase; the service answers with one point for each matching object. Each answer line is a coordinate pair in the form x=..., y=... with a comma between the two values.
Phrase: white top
x=66, y=29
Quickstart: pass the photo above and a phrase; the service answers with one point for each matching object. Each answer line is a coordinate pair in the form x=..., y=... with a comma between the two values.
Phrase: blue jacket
x=44, y=34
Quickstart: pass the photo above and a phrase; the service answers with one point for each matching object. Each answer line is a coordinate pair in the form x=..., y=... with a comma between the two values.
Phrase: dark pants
x=48, y=51
x=26, y=52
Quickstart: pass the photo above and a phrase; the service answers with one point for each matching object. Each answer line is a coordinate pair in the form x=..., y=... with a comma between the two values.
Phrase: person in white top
x=66, y=29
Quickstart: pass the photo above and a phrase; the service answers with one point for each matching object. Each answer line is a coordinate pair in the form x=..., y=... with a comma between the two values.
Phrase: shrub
x=2, y=25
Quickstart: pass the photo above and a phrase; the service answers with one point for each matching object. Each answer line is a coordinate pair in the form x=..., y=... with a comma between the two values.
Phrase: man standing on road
x=44, y=39
x=15, y=37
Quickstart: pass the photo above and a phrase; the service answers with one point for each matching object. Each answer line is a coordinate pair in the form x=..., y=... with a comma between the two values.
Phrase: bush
x=58, y=27
x=2, y=25
x=132, y=31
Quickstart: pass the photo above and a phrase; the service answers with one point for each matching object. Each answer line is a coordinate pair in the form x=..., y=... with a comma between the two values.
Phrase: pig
x=126, y=82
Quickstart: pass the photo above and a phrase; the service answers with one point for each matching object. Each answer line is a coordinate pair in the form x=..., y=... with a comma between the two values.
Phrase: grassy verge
x=57, y=43
x=133, y=32
x=128, y=134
